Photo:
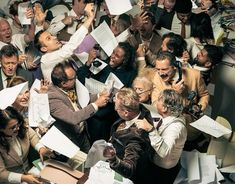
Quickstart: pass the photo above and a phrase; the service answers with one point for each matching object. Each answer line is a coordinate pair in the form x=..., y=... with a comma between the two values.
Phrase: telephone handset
x=178, y=65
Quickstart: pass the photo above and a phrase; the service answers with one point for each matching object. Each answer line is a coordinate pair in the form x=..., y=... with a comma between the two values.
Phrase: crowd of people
x=169, y=53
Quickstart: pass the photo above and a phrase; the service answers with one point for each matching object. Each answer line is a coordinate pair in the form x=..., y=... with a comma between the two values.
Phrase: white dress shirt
x=176, y=27
x=168, y=141
x=49, y=60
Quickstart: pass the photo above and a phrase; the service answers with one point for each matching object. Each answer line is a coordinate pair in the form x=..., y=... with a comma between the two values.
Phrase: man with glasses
x=65, y=107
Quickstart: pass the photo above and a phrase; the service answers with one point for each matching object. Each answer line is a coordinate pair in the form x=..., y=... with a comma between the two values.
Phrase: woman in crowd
x=143, y=88
x=15, y=140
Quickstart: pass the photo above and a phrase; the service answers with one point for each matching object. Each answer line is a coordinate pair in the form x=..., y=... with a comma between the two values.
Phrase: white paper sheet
x=83, y=57
x=123, y=36
x=118, y=7
x=207, y=168
x=57, y=141
x=229, y=169
x=94, y=86
x=83, y=94
x=192, y=162
x=39, y=112
x=105, y=38
x=211, y=127
x=117, y=83
x=22, y=8
x=96, y=70
x=9, y=95
x=101, y=173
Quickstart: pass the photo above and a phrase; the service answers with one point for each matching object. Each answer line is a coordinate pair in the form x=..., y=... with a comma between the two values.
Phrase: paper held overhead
x=210, y=126
x=118, y=7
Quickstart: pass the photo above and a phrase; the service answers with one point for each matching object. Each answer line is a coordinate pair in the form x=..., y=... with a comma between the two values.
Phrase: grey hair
x=129, y=99
x=173, y=101
x=147, y=83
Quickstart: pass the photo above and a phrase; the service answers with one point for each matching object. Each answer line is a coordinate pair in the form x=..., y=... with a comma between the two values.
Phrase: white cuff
x=38, y=146
x=154, y=137
x=140, y=58
x=14, y=177
x=95, y=106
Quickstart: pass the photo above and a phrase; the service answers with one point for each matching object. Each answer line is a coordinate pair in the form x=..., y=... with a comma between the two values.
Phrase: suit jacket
x=192, y=81
x=154, y=46
x=67, y=119
x=134, y=150
x=11, y=162
x=23, y=73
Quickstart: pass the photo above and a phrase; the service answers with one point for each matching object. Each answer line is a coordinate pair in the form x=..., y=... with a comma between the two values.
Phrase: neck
x=147, y=36
x=133, y=115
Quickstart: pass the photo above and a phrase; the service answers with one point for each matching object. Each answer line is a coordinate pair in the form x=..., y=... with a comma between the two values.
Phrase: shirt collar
x=131, y=122
x=200, y=68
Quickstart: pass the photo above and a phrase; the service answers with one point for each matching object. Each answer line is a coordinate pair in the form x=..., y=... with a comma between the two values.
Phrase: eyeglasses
x=16, y=126
x=73, y=78
x=140, y=91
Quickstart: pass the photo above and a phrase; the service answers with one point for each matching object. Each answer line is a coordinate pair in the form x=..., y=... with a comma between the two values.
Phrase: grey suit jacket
x=20, y=72
x=11, y=162
x=67, y=119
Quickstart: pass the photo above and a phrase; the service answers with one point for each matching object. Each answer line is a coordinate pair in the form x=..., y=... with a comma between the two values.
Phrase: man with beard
x=169, y=77
x=206, y=59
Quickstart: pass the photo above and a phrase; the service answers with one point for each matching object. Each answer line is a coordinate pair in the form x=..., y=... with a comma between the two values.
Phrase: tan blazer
x=192, y=81
x=11, y=162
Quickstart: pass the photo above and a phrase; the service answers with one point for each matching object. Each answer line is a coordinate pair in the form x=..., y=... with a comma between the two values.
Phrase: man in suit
x=168, y=77
x=131, y=152
x=147, y=40
x=10, y=67
x=65, y=107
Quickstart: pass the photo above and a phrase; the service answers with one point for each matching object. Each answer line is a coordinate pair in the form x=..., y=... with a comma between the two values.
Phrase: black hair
x=201, y=27
x=8, y=51
x=176, y=43
x=162, y=55
x=37, y=43
x=215, y=53
x=5, y=116
x=58, y=74
x=129, y=56
x=183, y=6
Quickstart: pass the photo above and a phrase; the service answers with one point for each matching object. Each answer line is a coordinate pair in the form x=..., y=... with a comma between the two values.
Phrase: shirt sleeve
x=14, y=177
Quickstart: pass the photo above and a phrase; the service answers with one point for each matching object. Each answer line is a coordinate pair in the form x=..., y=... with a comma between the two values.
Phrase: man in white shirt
x=70, y=20
x=54, y=51
x=168, y=135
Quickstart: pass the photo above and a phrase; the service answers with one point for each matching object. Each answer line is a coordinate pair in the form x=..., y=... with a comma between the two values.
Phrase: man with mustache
x=167, y=77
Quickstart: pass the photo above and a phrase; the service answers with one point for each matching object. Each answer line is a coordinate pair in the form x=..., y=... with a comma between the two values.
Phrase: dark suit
x=100, y=124
x=67, y=119
x=20, y=72
x=134, y=150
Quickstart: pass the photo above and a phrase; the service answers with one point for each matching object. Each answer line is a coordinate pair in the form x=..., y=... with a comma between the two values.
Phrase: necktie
x=8, y=79
x=121, y=126
x=72, y=95
x=183, y=30
x=159, y=122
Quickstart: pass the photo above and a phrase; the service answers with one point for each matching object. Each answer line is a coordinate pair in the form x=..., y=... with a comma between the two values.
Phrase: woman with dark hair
x=201, y=34
x=15, y=141
x=122, y=64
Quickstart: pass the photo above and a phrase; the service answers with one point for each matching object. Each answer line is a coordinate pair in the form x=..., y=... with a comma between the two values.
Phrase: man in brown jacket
x=168, y=76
